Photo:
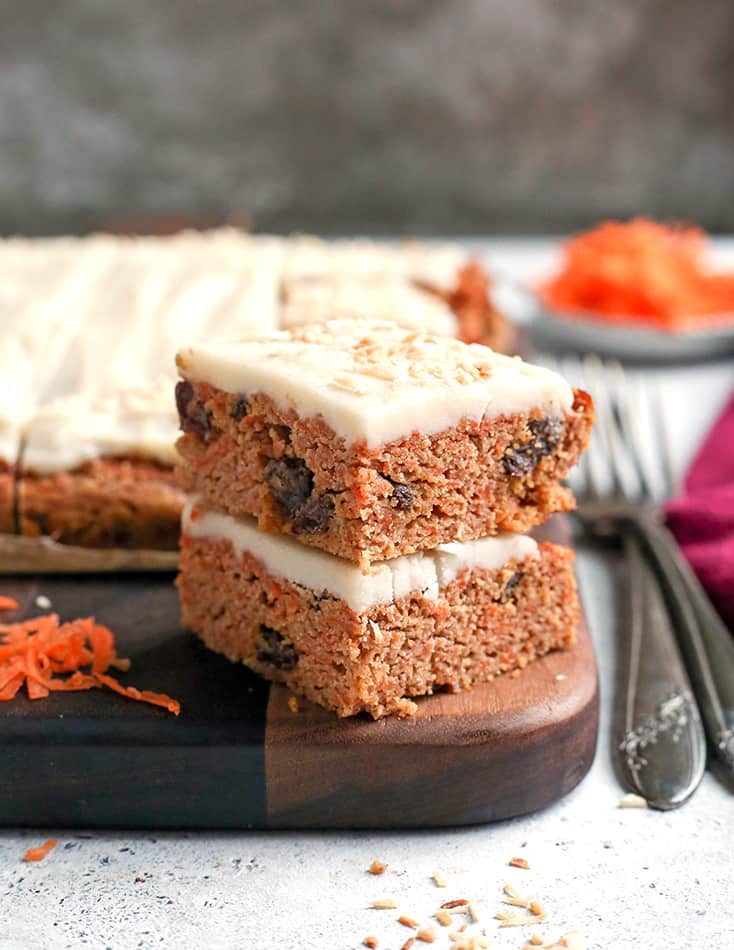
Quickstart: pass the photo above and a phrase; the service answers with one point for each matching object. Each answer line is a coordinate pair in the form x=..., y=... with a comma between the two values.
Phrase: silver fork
x=658, y=738
x=706, y=644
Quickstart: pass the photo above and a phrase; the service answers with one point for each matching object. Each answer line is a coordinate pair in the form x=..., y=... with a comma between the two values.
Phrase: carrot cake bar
x=357, y=641
x=433, y=287
x=370, y=441
x=99, y=471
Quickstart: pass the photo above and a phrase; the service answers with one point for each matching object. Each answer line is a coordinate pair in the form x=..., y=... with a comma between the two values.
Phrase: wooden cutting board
x=238, y=757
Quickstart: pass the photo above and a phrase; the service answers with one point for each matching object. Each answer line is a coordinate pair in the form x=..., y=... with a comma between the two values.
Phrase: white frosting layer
x=317, y=300
x=385, y=582
x=73, y=429
x=362, y=259
x=376, y=381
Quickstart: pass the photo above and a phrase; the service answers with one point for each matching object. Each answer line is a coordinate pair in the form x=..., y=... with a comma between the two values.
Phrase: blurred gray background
x=410, y=116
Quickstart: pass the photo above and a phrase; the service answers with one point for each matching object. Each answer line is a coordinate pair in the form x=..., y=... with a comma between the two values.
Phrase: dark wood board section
x=238, y=757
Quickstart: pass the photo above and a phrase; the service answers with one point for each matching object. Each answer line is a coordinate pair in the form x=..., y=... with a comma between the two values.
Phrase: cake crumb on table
x=293, y=704
x=439, y=880
x=630, y=800
x=520, y=863
x=444, y=918
x=426, y=934
x=388, y=903
x=377, y=867
x=408, y=943
x=408, y=922
x=473, y=911
x=536, y=940
x=371, y=942
x=536, y=909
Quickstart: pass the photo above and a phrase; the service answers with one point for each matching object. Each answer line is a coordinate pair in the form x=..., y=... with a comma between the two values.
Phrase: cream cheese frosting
x=377, y=382
x=140, y=421
x=362, y=259
x=317, y=300
x=383, y=583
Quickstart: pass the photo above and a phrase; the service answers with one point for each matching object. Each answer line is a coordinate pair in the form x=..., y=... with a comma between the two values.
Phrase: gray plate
x=586, y=334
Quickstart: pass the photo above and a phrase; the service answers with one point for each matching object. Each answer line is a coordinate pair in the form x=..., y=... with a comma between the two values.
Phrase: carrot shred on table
x=8, y=603
x=39, y=853
x=47, y=656
x=641, y=271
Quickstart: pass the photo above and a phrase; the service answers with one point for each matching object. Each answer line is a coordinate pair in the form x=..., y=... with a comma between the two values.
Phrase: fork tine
x=660, y=425
x=632, y=406
x=625, y=479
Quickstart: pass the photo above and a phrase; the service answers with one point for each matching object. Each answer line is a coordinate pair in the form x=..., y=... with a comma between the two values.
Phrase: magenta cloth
x=703, y=519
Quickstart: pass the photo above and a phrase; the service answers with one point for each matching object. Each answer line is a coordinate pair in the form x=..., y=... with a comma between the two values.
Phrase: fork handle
x=660, y=742
x=706, y=643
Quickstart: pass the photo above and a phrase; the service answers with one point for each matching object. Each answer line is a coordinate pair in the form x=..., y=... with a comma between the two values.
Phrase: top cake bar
x=370, y=441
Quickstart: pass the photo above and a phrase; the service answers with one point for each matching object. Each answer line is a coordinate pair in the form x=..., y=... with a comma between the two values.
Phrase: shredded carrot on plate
x=8, y=603
x=38, y=854
x=641, y=272
x=47, y=656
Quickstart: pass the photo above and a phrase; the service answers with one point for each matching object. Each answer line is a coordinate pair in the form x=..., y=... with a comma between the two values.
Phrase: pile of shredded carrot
x=46, y=656
x=641, y=272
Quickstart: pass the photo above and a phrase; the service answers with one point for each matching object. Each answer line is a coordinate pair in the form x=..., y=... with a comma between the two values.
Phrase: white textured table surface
x=622, y=878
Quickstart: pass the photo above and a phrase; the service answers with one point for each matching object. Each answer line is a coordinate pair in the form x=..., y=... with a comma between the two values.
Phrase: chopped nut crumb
x=443, y=918
x=371, y=942
x=377, y=867
x=513, y=892
x=408, y=943
x=387, y=904
x=408, y=922
x=519, y=863
x=426, y=934
x=293, y=704
x=630, y=800
x=514, y=920
x=448, y=905
x=439, y=880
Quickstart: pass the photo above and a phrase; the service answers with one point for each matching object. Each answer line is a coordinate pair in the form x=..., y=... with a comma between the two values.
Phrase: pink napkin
x=703, y=519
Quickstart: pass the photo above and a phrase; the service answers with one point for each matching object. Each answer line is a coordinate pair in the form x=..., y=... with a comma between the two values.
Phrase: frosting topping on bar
x=375, y=381
x=383, y=583
x=139, y=421
x=315, y=300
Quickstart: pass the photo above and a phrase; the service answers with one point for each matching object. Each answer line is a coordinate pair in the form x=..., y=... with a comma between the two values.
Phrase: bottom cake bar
x=354, y=641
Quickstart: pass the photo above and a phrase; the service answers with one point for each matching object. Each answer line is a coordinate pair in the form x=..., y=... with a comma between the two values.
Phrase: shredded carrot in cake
x=641, y=272
x=39, y=853
x=39, y=653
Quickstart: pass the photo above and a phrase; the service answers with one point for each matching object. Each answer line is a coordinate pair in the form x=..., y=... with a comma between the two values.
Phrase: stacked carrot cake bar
x=359, y=496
